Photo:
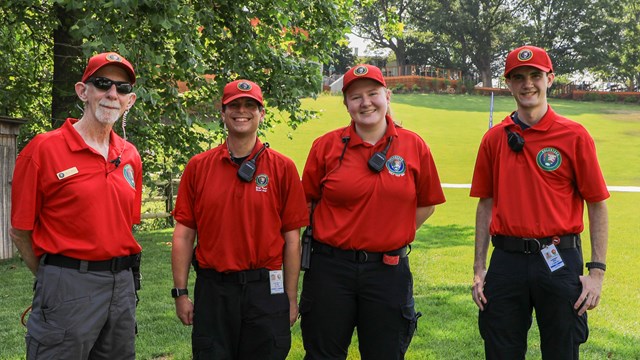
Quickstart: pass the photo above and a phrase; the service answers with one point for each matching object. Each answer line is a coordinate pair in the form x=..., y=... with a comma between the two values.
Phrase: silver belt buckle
x=528, y=248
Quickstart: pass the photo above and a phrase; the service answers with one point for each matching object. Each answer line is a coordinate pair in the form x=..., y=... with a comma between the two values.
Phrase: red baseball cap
x=528, y=56
x=362, y=71
x=101, y=60
x=241, y=88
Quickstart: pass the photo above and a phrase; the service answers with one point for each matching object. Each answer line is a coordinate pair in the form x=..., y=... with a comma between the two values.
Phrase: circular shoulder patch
x=127, y=171
x=525, y=55
x=549, y=159
x=396, y=165
x=360, y=71
x=244, y=86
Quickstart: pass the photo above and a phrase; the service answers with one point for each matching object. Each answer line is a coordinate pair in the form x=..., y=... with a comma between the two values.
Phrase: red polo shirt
x=76, y=202
x=359, y=209
x=239, y=224
x=539, y=191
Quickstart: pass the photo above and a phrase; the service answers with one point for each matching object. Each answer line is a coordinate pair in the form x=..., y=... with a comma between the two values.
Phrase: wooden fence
x=164, y=192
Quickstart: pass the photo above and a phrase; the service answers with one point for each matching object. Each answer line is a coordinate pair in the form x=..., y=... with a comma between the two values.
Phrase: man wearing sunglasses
x=75, y=197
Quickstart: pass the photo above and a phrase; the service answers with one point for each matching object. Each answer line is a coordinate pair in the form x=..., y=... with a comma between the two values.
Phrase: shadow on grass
x=471, y=103
x=505, y=104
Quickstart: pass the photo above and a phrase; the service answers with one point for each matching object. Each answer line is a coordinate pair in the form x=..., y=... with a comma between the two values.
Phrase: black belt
x=534, y=245
x=236, y=277
x=115, y=264
x=359, y=256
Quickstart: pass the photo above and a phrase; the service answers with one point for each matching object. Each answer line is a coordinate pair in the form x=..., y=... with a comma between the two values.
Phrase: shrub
x=434, y=85
x=590, y=96
x=468, y=85
x=398, y=88
x=415, y=88
x=609, y=97
x=631, y=99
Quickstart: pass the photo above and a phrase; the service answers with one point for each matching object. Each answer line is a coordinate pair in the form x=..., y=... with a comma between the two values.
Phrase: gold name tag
x=65, y=174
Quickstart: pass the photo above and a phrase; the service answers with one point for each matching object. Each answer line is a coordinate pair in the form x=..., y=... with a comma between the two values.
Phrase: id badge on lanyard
x=552, y=256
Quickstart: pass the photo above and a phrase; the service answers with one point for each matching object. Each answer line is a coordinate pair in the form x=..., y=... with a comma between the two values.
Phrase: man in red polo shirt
x=76, y=195
x=245, y=204
x=533, y=174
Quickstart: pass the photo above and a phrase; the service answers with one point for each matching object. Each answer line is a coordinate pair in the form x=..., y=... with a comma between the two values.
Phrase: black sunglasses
x=103, y=83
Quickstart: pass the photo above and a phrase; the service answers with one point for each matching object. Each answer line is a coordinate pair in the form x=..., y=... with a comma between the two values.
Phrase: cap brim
x=127, y=69
x=539, y=67
x=345, y=87
x=231, y=98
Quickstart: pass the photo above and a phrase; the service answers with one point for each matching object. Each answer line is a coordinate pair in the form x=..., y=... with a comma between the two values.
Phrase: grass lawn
x=442, y=254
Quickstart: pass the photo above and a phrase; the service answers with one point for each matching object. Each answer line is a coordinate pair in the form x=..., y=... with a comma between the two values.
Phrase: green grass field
x=442, y=254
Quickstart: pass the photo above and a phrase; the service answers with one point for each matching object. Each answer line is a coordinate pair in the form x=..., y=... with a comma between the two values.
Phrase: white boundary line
x=611, y=188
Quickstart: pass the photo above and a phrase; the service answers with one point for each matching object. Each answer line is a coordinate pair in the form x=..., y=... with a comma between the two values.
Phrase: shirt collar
x=77, y=143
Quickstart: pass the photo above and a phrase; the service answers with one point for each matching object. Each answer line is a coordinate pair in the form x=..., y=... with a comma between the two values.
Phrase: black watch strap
x=596, y=265
x=175, y=292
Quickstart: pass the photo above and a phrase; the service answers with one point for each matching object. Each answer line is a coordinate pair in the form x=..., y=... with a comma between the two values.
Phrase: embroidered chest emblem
x=549, y=159
x=262, y=181
x=396, y=165
x=127, y=171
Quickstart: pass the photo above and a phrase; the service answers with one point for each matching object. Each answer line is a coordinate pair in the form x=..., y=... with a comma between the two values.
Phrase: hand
x=591, y=289
x=477, y=289
x=184, y=310
x=293, y=313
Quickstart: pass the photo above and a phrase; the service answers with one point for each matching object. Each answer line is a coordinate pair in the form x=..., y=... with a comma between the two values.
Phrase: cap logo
x=360, y=71
x=525, y=55
x=244, y=86
x=114, y=57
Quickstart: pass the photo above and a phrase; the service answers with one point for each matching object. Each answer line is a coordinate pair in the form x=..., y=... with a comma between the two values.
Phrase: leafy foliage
x=578, y=34
x=475, y=35
x=341, y=58
x=622, y=62
x=476, y=28
x=279, y=44
x=383, y=23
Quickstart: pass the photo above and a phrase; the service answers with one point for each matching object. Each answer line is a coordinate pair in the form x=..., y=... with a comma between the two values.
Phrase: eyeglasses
x=103, y=83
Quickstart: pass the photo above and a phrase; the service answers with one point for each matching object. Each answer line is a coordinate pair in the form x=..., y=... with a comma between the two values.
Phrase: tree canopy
x=474, y=36
x=279, y=44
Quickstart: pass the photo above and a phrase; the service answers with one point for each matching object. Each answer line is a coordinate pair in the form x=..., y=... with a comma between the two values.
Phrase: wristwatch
x=596, y=265
x=175, y=292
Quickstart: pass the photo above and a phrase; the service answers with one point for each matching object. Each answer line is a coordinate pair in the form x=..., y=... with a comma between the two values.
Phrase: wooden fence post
x=9, y=130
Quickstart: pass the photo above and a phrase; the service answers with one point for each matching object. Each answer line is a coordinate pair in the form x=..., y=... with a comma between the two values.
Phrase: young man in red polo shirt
x=533, y=174
x=76, y=195
x=245, y=204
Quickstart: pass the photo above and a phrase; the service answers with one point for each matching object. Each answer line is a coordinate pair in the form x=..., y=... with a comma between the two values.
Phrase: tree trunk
x=401, y=56
x=67, y=67
x=485, y=75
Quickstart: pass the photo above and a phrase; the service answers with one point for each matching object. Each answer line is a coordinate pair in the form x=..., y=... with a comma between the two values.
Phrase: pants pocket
x=43, y=340
x=411, y=317
x=202, y=347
